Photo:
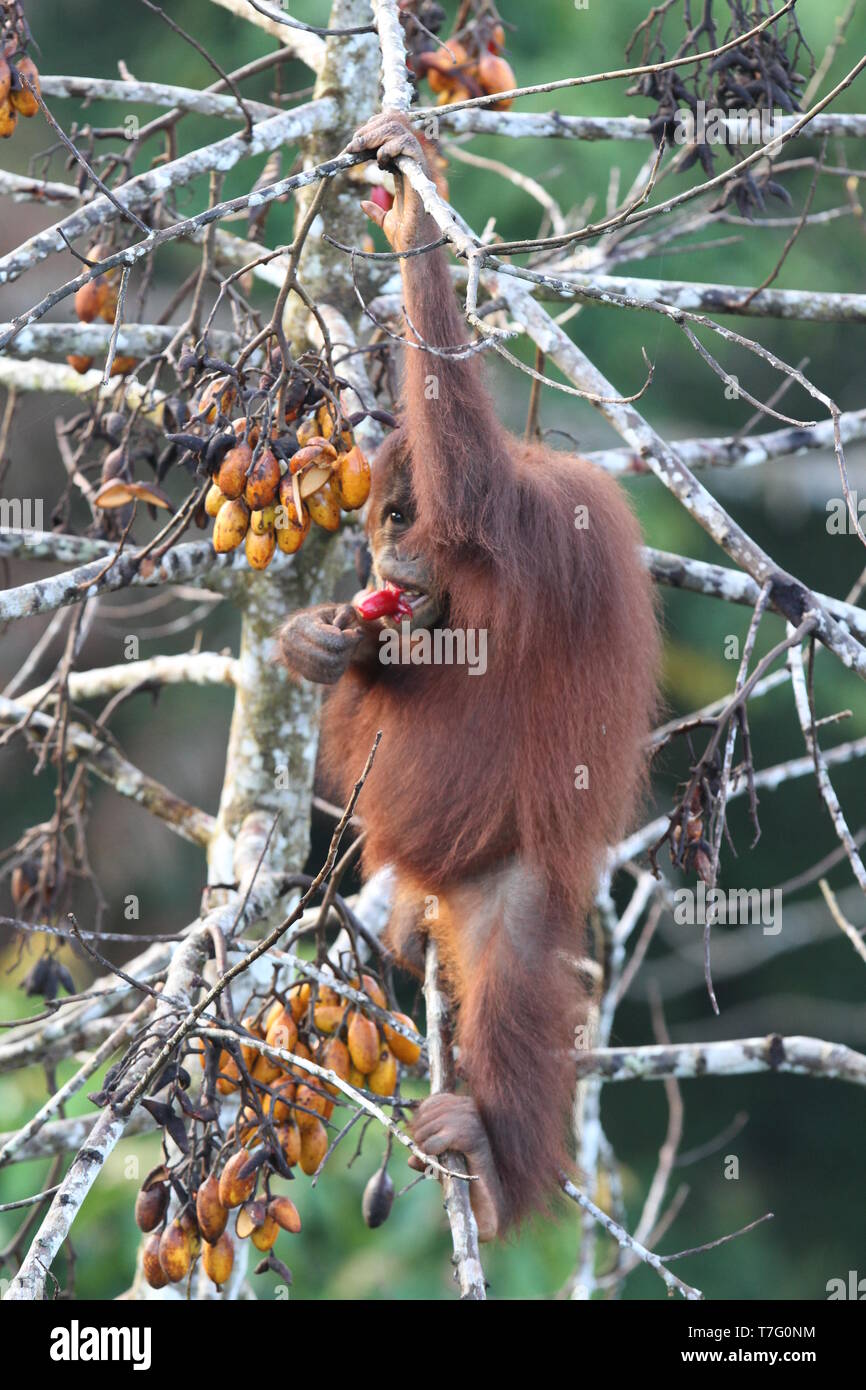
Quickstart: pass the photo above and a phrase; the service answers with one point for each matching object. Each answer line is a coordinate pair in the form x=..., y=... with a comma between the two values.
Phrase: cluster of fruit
x=292, y=1113
x=97, y=299
x=16, y=98
x=471, y=66
x=268, y=501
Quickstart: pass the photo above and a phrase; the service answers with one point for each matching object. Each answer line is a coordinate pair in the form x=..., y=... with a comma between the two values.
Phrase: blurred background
x=799, y=1143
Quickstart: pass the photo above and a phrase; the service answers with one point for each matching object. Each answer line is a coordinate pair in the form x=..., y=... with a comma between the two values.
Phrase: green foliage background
x=800, y=1154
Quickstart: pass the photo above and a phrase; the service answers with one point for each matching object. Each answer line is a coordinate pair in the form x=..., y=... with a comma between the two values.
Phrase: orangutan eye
x=395, y=515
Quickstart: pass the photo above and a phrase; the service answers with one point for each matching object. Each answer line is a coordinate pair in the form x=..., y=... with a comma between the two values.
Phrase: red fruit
x=381, y=197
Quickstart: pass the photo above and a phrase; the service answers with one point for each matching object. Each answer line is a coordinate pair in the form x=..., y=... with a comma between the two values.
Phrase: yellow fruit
x=383, y=1078
x=402, y=1048
x=352, y=479
x=324, y=508
x=5, y=78
x=231, y=475
x=278, y=1105
x=314, y=1146
x=282, y=1030
x=220, y=392
x=174, y=1252
x=496, y=75
x=307, y=430
x=122, y=366
x=230, y=527
x=209, y=1210
x=357, y=1079
x=247, y=1127
x=214, y=499
x=335, y=1056
x=8, y=119
x=250, y=1054
x=23, y=100
x=441, y=68
x=230, y=1076
x=153, y=1270
x=90, y=298
x=235, y=1188
x=266, y=1071
x=290, y=1142
x=290, y=532
x=363, y=1040
x=260, y=549
x=262, y=482
x=285, y=1213
x=372, y=989
x=262, y=520
x=264, y=1236
x=218, y=1258
x=313, y=1102
x=299, y=1001
x=328, y=1017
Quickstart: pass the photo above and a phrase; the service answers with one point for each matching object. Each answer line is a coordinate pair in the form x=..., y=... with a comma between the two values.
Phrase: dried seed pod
x=153, y=1270
x=230, y=526
x=314, y=1146
x=234, y=1186
x=151, y=1205
x=214, y=500
x=174, y=1252
x=382, y=1080
x=262, y=520
x=307, y=430
x=8, y=119
x=189, y=1226
x=363, y=1040
x=285, y=1213
x=403, y=1048
x=231, y=475
x=260, y=549
x=265, y=1235
x=260, y=489
x=210, y=1212
x=352, y=479
x=218, y=1257
x=324, y=508
x=23, y=100
x=378, y=1199
x=290, y=1142
x=282, y=1030
x=219, y=395
x=79, y=362
x=250, y=1216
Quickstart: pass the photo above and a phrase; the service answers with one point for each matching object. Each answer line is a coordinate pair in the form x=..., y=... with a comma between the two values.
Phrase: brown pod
x=235, y=1188
x=151, y=1205
x=496, y=75
x=108, y=308
x=324, y=508
x=260, y=549
x=231, y=475
x=263, y=481
x=210, y=1212
x=382, y=1080
x=79, y=363
x=230, y=1076
x=214, y=500
x=218, y=1257
x=153, y=1270
x=266, y=1070
x=314, y=1146
x=231, y=526
x=372, y=989
x=290, y=1142
x=220, y=392
x=403, y=1048
x=174, y=1252
x=23, y=100
x=291, y=532
x=307, y=430
x=299, y=1000
x=352, y=478
x=5, y=78
x=363, y=1040
x=328, y=1017
x=285, y=1213
x=8, y=119
x=122, y=366
x=335, y=1056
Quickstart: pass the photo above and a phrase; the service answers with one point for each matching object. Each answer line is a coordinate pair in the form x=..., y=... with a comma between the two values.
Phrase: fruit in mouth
x=388, y=602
